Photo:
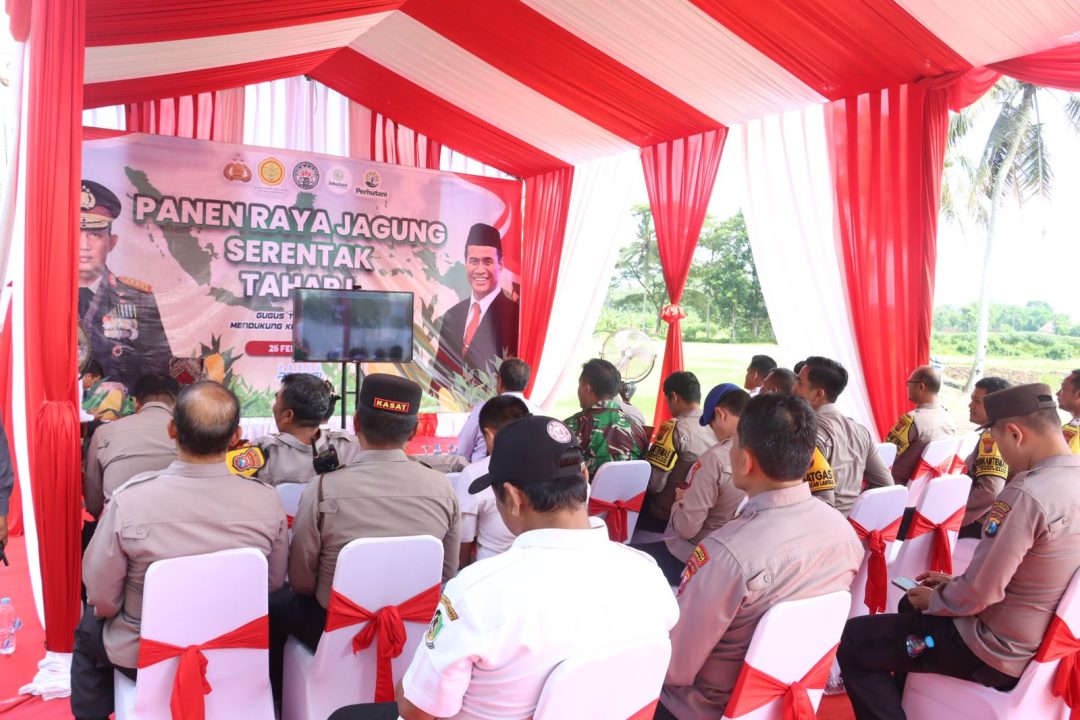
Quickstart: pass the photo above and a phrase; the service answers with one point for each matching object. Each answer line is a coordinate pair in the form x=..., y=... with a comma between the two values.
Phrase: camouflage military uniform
x=606, y=434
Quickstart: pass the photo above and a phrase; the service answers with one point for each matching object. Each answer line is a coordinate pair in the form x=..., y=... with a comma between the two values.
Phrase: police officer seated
x=988, y=623
x=916, y=429
x=504, y=623
x=300, y=450
x=381, y=494
x=192, y=507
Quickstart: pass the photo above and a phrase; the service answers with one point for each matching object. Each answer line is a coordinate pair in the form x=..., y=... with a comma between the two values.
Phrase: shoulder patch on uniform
x=662, y=454
x=1071, y=433
x=246, y=461
x=988, y=460
x=135, y=284
x=697, y=560
x=689, y=479
x=450, y=613
x=434, y=628
x=820, y=475
x=996, y=517
x=900, y=435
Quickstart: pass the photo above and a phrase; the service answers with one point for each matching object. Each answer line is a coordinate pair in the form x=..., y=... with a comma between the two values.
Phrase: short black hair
x=502, y=410
x=684, y=384
x=827, y=374
x=784, y=379
x=309, y=397
x=514, y=374
x=992, y=384
x=94, y=368
x=156, y=386
x=781, y=432
x=762, y=364
x=602, y=376
x=555, y=495
x=382, y=427
x=734, y=401
x=206, y=415
x=798, y=367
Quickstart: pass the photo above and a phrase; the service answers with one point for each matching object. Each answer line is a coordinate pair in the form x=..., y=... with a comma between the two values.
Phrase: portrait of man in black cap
x=119, y=314
x=483, y=327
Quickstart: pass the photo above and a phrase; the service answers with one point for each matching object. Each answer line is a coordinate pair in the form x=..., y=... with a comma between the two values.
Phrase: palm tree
x=1014, y=165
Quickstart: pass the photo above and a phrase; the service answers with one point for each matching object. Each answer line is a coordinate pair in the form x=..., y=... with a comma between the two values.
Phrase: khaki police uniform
x=988, y=473
x=124, y=448
x=784, y=545
x=911, y=434
x=711, y=499
x=288, y=460
x=1071, y=431
x=851, y=456
x=677, y=445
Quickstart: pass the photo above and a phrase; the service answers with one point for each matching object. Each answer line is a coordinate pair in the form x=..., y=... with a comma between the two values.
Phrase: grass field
x=716, y=363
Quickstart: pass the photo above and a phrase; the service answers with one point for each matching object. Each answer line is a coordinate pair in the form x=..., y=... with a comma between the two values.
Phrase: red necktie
x=474, y=322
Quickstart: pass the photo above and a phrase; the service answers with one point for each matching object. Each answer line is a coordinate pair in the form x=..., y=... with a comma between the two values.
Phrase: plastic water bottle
x=916, y=645
x=8, y=625
x=438, y=448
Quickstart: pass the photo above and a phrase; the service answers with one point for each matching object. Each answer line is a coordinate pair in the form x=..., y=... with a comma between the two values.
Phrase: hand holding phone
x=904, y=583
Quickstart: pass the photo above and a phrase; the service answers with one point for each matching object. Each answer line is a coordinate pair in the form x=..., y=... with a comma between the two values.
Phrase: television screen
x=352, y=326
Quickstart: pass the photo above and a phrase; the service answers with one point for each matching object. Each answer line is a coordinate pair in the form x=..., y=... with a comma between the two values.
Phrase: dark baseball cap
x=98, y=206
x=708, y=410
x=1017, y=400
x=530, y=451
x=390, y=393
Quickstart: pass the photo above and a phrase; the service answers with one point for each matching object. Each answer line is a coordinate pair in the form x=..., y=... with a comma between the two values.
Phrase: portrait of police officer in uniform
x=119, y=314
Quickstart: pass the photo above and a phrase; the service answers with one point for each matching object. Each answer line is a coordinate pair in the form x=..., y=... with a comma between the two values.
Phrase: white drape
x=599, y=214
x=789, y=217
x=297, y=114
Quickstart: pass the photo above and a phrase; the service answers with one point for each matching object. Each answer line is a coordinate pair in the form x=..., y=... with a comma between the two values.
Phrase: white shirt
x=471, y=441
x=504, y=624
x=480, y=519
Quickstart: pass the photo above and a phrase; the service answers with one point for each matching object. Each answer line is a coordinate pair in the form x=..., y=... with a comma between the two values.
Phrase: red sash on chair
x=289, y=519
x=755, y=689
x=387, y=625
x=645, y=713
x=877, y=571
x=190, y=685
x=941, y=554
x=1059, y=644
x=616, y=518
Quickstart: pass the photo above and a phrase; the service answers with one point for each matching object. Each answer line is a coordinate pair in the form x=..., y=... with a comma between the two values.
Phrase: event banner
x=192, y=249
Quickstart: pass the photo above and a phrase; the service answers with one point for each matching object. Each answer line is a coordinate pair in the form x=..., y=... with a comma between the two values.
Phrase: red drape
x=1058, y=68
x=887, y=153
x=198, y=116
x=547, y=202
x=14, y=517
x=54, y=163
x=679, y=177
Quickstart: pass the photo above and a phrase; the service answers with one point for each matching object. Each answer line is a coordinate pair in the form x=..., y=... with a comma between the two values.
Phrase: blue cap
x=714, y=396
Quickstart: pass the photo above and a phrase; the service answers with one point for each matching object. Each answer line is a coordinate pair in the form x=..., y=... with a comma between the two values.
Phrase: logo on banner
x=372, y=180
x=305, y=175
x=271, y=171
x=338, y=180
x=237, y=170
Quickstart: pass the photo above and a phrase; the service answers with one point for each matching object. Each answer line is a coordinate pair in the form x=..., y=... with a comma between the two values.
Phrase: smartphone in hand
x=904, y=583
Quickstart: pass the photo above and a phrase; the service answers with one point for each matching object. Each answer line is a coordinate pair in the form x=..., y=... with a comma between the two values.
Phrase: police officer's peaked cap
x=390, y=393
x=98, y=206
x=529, y=451
x=483, y=235
x=1016, y=401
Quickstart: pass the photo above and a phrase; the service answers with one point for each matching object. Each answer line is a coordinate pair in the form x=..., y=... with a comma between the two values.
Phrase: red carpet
x=835, y=707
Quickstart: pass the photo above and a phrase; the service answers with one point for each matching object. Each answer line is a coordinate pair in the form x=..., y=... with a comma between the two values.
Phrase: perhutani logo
x=372, y=179
x=305, y=175
x=391, y=405
x=338, y=179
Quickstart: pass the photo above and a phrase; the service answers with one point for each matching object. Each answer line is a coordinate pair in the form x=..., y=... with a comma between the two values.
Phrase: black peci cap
x=484, y=235
x=530, y=451
x=1017, y=400
x=98, y=206
x=390, y=393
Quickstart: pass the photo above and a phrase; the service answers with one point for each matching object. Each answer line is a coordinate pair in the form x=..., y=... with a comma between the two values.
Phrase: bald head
x=207, y=416
x=924, y=384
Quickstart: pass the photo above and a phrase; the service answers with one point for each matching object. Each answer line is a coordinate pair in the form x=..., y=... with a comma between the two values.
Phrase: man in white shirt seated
x=483, y=532
x=512, y=379
x=563, y=588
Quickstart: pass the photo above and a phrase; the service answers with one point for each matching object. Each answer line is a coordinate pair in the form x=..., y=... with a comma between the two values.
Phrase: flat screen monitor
x=352, y=326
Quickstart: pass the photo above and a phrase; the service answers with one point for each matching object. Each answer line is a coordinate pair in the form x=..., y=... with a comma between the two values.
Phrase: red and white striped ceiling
x=529, y=85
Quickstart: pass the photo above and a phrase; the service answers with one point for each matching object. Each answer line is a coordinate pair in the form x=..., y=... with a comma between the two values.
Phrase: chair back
x=459, y=481
x=944, y=496
x=939, y=455
x=790, y=639
x=887, y=451
x=622, y=480
x=190, y=600
x=289, y=494
x=373, y=573
x=875, y=509
x=617, y=681
x=967, y=445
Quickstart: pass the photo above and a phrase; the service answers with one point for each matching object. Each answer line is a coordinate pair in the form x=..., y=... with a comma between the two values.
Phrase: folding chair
x=618, y=490
x=938, y=459
x=879, y=511
x=289, y=494
x=887, y=451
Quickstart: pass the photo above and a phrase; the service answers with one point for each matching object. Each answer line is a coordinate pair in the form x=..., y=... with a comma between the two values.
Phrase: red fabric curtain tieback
x=190, y=686
x=289, y=519
x=385, y=627
x=755, y=689
x=672, y=313
x=877, y=572
x=1060, y=644
x=941, y=555
x=616, y=518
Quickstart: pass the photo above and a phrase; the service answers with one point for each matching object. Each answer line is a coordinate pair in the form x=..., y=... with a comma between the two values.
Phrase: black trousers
x=874, y=660
x=292, y=614
x=670, y=565
x=367, y=711
x=92, y=671
x=662, y=713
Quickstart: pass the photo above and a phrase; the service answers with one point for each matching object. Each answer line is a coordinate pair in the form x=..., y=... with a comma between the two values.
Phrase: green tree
x=638, y=273
x=723, y=282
